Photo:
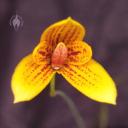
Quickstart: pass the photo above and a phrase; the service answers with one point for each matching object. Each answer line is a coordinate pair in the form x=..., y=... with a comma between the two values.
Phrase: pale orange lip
x=59, y=56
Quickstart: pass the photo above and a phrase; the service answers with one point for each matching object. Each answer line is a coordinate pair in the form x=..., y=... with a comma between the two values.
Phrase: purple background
x=107, y=31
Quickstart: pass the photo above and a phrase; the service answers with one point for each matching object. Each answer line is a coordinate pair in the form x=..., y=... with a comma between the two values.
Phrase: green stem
x=75, y=113
x=52, y=86
x=103, y=116
x=79, y=120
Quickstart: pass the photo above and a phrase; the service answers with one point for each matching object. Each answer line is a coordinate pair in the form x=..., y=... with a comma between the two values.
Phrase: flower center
x=59, y=56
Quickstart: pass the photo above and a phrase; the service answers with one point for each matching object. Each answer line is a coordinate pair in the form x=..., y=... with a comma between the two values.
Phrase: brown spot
x=74, y=53
x=42, y=53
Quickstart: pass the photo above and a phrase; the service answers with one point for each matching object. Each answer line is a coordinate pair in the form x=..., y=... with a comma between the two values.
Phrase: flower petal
x=66, y=31
x=29, y=79
x=79, y=53
x=42, y=53
x=92, y=80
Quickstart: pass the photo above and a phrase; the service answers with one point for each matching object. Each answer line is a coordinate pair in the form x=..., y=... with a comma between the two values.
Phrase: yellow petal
x=92, y=80
x=66, y=31
x=42, y=53
x=79, y=53
x=29, y=79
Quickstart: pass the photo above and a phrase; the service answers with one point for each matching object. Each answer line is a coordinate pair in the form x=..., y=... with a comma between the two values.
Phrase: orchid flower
x=62, y=50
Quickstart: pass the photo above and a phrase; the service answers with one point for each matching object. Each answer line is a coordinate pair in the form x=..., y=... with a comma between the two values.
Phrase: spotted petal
x=42, y=53
x=92, y=80
x=29, y=79
x=79, y=53
x=65, y=31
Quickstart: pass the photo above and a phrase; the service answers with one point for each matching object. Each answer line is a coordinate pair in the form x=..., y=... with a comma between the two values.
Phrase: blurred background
x=107, y=32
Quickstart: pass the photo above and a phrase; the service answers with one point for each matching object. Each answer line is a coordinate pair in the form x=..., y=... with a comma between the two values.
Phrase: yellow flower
x=61, y=50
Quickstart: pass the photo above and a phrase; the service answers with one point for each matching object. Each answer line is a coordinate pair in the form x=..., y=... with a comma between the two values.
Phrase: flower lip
x=59, y=56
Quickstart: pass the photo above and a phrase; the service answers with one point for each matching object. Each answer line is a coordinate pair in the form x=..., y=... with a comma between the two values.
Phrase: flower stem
x=73, y=109
x=103, y=116
x=52, y=86
x=75, y=113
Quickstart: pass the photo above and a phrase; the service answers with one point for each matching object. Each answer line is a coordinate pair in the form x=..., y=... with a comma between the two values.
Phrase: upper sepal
x=66, y=31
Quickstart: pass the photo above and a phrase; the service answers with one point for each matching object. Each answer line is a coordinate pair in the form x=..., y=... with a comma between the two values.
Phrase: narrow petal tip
x=15, y=101
x=69, y=18
x=113, y=98
x=112, y=102
x=18, y=100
